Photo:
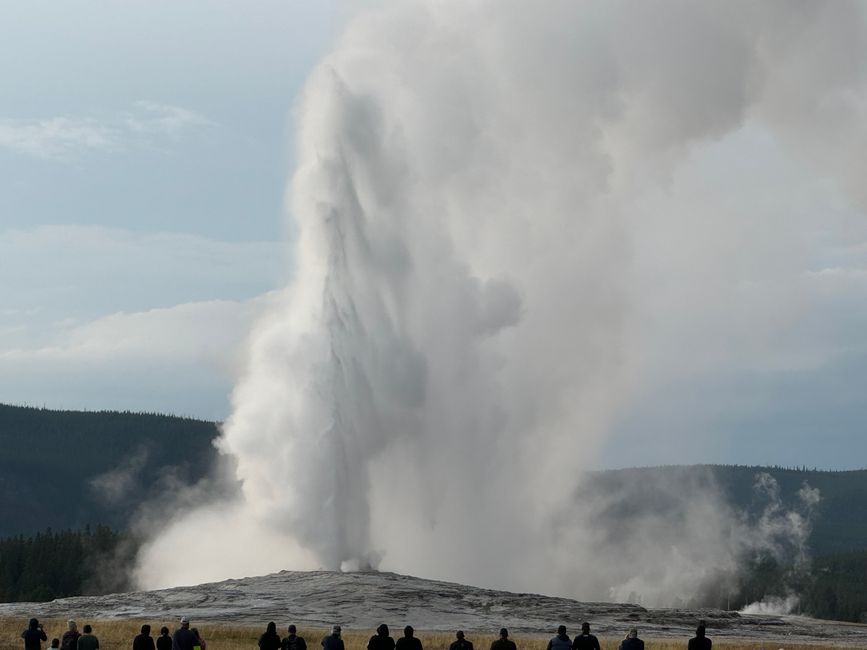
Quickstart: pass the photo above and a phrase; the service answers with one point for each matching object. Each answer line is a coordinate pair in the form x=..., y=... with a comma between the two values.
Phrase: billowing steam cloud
x=512, y=218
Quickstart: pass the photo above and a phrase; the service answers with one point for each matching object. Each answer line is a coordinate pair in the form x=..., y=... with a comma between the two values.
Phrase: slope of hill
x=68, y=469
x=363, y=600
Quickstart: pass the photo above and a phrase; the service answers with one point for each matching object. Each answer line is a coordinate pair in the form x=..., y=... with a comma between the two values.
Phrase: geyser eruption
x=511, y=219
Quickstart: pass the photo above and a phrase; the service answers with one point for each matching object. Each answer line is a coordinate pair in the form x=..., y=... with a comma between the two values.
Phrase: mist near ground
x=514, y=224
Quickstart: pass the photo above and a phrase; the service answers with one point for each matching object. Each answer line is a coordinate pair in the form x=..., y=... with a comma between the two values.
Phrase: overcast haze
x=144, y=153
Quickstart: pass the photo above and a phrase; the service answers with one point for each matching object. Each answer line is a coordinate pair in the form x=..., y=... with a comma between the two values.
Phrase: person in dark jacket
x=632, y=642
x=408, y=640
x=585, y=640
x=88, y=640
x=34, y=635
x=164, y=641
x=333, y=640
x=700, y=641
x=270, y=640
x=561, y=641
x=293, y=641
x=184, y=638
x=504, y=642
x=381, y=640
x=461, y=643
x=144, y=641
x=69, y=640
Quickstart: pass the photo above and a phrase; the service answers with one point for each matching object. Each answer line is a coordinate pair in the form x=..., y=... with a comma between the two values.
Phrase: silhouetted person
x=34, y=635
x=561, y=641
x=293, y=641
x=270, y=640
x=55, y=644
x=408, y=640
x=144, y=641
x=381, y=640
x=632, y=642
x=585, y=640
x=88, y=640
x=69, y=640
x=504, y=642
x=200, y=640
x=461, y=643
x=184, y=638
x=164, y=641
x=333, y=640
x=700, y=641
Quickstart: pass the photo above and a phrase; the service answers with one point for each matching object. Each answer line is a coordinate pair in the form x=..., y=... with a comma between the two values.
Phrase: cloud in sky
x=181, y=359
x=110, y=318
x=66, y=138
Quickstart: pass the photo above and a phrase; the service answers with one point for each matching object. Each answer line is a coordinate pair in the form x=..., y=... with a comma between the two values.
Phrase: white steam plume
x=513, y=218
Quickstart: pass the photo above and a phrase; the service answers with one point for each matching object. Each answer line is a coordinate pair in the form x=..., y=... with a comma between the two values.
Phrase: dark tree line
x=55, y=564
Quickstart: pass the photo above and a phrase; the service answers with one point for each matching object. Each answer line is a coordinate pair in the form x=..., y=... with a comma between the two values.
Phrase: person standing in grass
x=164, y=641
x=381, y=640
x=293, y=641
x=700, y=641
x=34, y=635
x=632, y=642
x=270, y=640
x=69, y=640
x=144, y=641
x=585, y=640
x=561, y=641
x=504, y=642
x=184, y=638
x=333, y=640
x=200, y=640
x=461, y=643
x=88, y=640
x=408, y=641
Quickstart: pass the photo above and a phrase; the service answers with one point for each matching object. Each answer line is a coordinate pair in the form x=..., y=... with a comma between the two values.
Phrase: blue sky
x=144, y=152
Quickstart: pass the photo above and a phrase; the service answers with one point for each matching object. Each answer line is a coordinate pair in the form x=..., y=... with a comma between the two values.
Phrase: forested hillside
x=84, y=475
x=70, y=469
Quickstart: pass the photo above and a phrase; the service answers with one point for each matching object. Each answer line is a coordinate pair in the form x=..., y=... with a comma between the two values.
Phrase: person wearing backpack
x=293, y=641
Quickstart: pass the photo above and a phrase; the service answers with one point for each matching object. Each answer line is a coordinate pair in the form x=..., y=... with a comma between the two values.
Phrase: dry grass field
x=118, y=635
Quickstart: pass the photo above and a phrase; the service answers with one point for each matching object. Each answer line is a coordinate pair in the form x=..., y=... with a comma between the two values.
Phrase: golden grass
x=118, y=635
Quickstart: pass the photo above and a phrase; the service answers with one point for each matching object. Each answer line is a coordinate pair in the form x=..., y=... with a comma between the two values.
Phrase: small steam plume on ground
x=511, y=219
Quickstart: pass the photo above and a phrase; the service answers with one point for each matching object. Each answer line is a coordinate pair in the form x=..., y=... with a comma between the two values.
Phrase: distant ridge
x=66, y=468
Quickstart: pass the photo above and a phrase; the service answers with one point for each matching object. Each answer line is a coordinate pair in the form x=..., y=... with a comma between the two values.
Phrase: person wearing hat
x=184, y=638
x=333, y=640
x=585, y=640
x=381, y=640
x=408, y=641
x=504, y=642
x=632, y=642
x=293, y=641
x=461, y=643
